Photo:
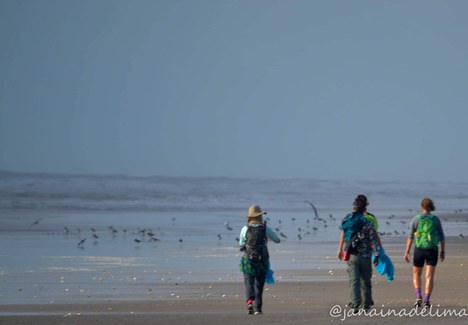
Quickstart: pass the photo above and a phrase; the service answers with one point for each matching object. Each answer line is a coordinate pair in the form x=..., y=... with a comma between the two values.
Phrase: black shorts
x=429, y=256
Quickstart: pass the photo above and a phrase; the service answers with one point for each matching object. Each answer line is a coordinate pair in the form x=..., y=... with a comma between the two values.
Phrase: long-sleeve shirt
x=271, y=234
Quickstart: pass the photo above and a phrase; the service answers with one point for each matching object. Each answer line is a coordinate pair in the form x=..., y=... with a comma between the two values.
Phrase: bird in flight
x=35, y=223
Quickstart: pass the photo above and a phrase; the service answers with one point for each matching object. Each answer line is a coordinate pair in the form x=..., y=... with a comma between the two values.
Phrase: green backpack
x=426, y=236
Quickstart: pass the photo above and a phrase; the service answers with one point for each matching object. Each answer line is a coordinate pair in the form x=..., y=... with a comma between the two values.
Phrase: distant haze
x=373, y=90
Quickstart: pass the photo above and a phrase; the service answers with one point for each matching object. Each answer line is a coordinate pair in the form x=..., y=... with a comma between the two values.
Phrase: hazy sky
x=374, y=90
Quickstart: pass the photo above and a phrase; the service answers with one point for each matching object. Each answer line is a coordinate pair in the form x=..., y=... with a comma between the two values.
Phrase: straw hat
x=255, y=212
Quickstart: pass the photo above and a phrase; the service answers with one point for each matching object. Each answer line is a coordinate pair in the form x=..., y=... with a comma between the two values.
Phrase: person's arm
x=340, y=246
x=375, y=241
x=442, y=250
x=409, y=242
x=379, y=241
x=242, y=236
x=271, y=234
x=442, y=240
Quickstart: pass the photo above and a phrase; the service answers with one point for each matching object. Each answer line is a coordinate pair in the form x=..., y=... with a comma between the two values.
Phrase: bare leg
x=417, y=271
x=430, y=270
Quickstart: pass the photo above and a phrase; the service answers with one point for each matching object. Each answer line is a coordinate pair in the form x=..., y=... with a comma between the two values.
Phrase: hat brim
x=255, y=215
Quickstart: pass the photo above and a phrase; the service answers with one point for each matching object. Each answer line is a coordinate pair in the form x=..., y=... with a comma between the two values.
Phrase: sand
x=300, y=302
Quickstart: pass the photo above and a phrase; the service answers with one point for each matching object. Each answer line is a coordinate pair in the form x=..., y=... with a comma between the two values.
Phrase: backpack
x=426, y=236
x=371, y=218
x=352, y=224
x=255, y=244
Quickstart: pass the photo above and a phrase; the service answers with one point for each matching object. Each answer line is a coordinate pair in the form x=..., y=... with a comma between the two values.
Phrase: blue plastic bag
x=385, y=265
x=269, y=276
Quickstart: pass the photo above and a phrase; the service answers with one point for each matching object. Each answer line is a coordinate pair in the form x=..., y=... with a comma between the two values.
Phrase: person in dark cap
x=361, y=240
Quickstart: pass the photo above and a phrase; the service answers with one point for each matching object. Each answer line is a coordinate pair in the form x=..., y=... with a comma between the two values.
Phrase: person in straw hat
x=255, y=261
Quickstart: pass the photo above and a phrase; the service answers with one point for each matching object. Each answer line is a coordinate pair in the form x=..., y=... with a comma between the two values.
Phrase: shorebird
x=283, y=235
x=137, y=240
x=35, y=223
x=180, y=240
x=313, y=207
x=95, y=236
x=81, y=242
x=219, y=237
x=228, y=227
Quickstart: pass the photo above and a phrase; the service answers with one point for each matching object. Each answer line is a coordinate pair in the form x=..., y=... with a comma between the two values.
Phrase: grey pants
x=360, y=286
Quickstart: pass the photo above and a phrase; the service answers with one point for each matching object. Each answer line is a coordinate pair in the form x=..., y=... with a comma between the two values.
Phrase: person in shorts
x=425, y=255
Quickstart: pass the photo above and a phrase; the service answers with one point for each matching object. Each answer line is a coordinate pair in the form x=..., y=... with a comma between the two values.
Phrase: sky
x=332, y=90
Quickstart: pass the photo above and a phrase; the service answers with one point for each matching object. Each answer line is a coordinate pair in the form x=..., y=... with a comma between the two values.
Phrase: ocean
x=110, y=237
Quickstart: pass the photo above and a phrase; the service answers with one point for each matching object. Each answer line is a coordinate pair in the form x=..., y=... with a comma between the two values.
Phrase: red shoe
x=250, y=309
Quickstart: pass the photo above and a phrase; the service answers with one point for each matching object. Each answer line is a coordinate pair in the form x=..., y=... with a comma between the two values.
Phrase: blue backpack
x=352, y=224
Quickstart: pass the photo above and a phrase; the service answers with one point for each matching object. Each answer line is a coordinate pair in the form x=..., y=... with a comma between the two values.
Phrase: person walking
x=255, y=261
x=361, y=239
x=369, y=216
x=426, y=231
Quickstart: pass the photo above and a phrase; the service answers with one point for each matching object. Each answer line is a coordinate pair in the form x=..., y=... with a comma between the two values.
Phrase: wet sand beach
x=290, y=302
x=117, y=250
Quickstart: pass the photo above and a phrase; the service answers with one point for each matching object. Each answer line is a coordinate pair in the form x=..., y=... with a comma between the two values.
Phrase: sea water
x=72, y=237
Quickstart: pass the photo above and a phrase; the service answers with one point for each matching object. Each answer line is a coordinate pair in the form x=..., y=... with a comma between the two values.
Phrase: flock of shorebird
x=139, y=235
x=311, y=227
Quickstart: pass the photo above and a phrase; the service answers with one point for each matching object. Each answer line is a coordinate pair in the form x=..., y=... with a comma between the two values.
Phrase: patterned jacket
x=362, y=233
